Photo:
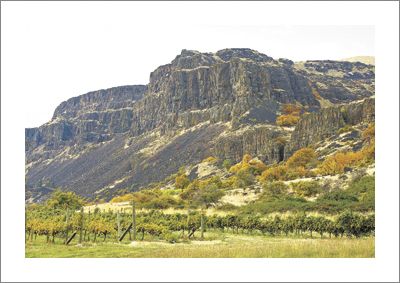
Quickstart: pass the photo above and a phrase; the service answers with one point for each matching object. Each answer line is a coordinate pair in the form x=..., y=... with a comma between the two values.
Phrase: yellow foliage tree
x=211, y=159
x=302, y=158
x=274, y=173
x=287, y=120
x=369, y=133
x=292, y=109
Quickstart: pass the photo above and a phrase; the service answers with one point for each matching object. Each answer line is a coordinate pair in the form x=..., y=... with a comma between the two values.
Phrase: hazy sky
x=54, y=51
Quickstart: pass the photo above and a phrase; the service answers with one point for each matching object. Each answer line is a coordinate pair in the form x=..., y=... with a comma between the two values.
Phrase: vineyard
x=155, y=225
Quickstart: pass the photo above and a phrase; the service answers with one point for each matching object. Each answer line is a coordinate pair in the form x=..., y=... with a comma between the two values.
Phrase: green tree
x=227, y=164
x=182, y=181
x=274, y=190
x=63, y=200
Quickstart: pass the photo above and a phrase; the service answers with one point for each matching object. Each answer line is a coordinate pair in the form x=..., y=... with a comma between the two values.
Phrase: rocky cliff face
x=321, y=125
x=223, y=104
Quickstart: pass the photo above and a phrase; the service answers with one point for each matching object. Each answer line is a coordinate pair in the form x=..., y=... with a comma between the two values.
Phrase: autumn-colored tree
x=304, y=157
x=211, y=160
x=287, y=120
x=274, y=173
x=369, y=133
x=291, y=109
x=244, y=164
x=336, y=163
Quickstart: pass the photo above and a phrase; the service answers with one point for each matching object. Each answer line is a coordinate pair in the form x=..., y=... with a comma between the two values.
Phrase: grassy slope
x=223, y=245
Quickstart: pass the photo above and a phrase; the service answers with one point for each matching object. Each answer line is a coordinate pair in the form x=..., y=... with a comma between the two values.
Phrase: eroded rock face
x=318, y=126
x=265, y=142
x=233, y=95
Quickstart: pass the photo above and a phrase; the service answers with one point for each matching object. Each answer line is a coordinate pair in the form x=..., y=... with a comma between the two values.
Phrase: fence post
x=118, y=224
x=188, y=221
x=88, y=232
x=202, y=223
x=81, y=226
x=66, y=228
x=134, y=220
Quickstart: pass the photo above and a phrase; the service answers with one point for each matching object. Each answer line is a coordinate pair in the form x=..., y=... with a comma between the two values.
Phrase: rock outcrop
x=130, y=136
x=315, y=127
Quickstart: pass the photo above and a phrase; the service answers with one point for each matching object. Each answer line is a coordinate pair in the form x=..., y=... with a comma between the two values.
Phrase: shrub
x=274, y=173
x=244, y=178
x=211, y=160
x=287, y=120
x=161, y=202
x=291, y=109
x=122, y=198
x=63, y=200
x=345, y=129
x=227, y=164
x=364, y=189
x=257, y=166
x=369, y=133
x=298, y=172
x=336, y=163
x=203, y=193
x=171, y=238
x=181, y=181
x=303, y=157
x=275, y=190
x=339, y=195
x=306, y=189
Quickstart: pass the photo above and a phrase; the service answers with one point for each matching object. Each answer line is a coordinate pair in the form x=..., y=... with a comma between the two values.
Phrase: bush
x=211, y=160
x=274, y=173
x=304, y=157
x=298, y=172
x=364, y=189
x=181, y=181
x=339, y=195
x=345, y=129
x=227, y=164
x=287, y=120
x=369, y=133
x=161, y=202
x=123, y=198
x=244, y=178
x=306, y=189
x=203, y=193
x=338, y=162
x=63, y=200
x=291, y=109
x=275, y=190
x=171, y=238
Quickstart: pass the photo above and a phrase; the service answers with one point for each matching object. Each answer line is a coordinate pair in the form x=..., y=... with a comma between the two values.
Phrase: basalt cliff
x=222, y=104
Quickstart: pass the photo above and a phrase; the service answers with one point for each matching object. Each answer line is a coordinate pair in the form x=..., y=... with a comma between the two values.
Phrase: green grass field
x=222, y=245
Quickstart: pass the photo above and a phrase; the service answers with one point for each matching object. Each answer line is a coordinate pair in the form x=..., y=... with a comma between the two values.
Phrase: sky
x=55, y=51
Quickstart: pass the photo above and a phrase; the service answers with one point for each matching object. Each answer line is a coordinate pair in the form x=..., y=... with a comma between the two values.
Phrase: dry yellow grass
x=230, y=246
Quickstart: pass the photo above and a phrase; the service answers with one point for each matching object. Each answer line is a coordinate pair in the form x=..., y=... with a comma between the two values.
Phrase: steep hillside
x=370, y=60
x=222, y=104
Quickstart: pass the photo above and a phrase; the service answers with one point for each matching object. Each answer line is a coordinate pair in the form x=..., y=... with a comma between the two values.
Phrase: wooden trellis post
x=134, y=220
x=118, y=224
x=66, y=223
x=202, y=223
x=81, y=226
